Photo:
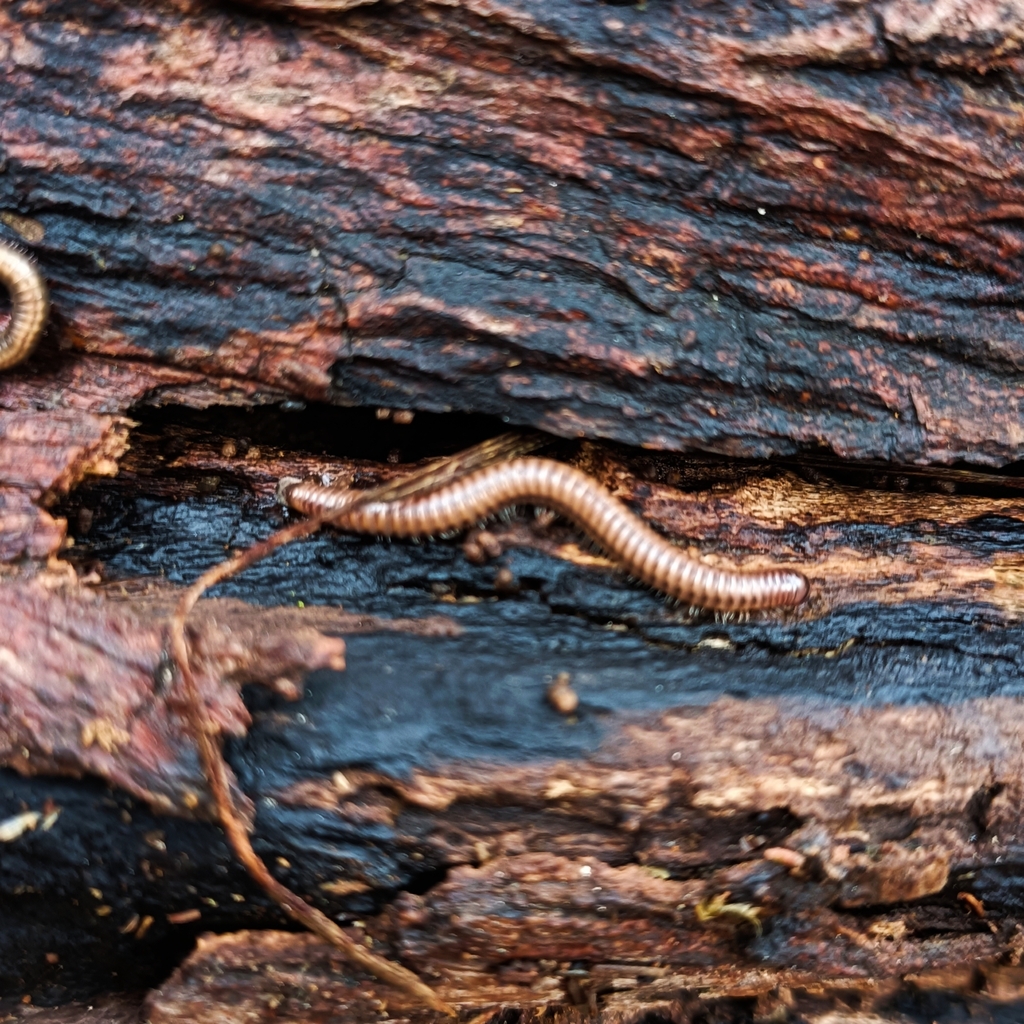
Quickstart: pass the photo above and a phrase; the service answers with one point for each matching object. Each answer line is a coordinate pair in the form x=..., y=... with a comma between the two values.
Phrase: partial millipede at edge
x=30, y=305
x=641, y=551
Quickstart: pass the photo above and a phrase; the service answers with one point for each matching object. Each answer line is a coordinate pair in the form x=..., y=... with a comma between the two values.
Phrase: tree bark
x=679, y=227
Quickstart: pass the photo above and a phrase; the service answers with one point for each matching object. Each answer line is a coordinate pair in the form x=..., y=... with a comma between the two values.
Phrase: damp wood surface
x=842, y=776
x=755, y=269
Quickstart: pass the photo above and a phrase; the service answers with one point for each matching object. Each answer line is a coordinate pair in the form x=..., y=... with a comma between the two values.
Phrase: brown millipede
x=571, y=492
x=30, y=304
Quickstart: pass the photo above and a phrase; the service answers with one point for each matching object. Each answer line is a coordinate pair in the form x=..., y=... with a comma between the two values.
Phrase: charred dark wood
x=514, y=855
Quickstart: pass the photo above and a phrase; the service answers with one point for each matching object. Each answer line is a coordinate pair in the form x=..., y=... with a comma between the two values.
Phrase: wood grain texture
x=875, y=736
x=718, y=228
x=301, y=980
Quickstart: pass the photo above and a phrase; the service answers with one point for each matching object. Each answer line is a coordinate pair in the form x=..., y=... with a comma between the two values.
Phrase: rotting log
x=733, y=233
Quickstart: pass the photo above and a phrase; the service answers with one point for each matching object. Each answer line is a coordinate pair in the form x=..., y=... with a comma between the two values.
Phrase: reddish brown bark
x=87, y=686
x=681, y=227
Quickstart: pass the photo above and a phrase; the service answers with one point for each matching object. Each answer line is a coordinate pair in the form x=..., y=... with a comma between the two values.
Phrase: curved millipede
x=30, y=304
x=572, y=493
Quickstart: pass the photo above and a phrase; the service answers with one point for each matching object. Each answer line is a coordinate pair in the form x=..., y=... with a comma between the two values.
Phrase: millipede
x=637, y=548
x=30, y=305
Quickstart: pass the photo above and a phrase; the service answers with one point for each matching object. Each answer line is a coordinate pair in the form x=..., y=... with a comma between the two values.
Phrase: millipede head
x=284, y=485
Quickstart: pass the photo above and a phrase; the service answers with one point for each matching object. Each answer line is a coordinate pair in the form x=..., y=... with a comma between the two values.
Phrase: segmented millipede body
x=641, y=551
x=30, y=304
